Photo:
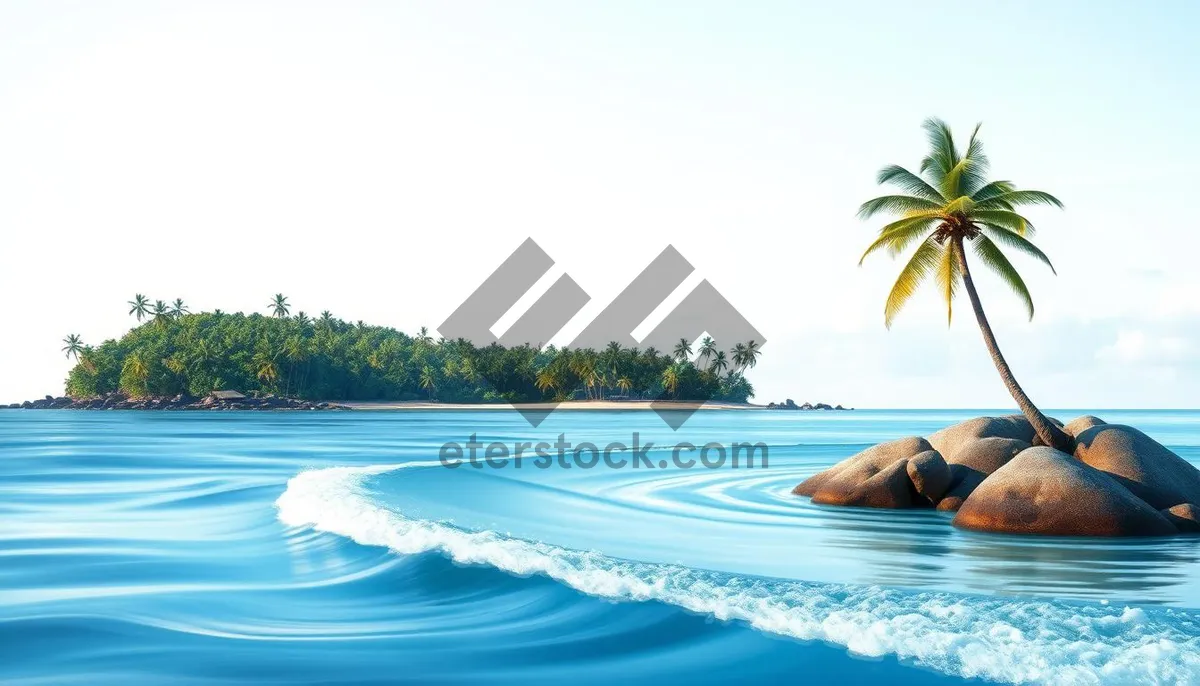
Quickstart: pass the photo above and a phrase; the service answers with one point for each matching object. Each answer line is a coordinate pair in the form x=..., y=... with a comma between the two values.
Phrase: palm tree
x=137, y=371
x=139, y=306
x=954, y=204
x=423, y=336
x=708, y=349
x=546, y=379
x=751, y=354
x=73, y=345
x=429, y=381
x=265, y=368
x=670, y=379
x=624, y=384
x=719, y=363
x=178, y=309
x=279, y=306
x=683, y=350
x=162, y=313
x=326, y=318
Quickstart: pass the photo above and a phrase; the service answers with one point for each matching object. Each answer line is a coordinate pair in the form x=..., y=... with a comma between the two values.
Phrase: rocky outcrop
x=836, y=483
x=930, y=475
x=975, y=462
x=1185, y=517
x=790, y=404
x=1141, y=464
x=952, y=439
x=1119, y=481
x=119, y=401
x=1045, y=491
x=1077, y=425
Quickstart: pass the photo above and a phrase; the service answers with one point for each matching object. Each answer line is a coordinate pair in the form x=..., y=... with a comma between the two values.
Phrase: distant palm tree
x=624, y=384
x=326, y=318
x=746, y=354
x=708, y=349
x=423, y=336
x=429, y=381
x=670, y=379
x=73, y=346
x=162, y=313
x=139, y=306
x=547, y=379
x=739, y=355
x=279, y=306
x=955, y=203
x=683, y=350
x=178, y=309
x=719, y=363
x=753, y=351
x=265, y=367
x=136, y=371
x=303, y=320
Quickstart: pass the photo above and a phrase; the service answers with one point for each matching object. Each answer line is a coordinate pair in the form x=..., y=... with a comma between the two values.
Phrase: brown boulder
x=1140, y=464
x=889, y=488
x=952, y=439
x=1079, y=424
x=858, y=468
x=929, y=474
x=1185, y=517
x=1045, y=491
x=973, y=463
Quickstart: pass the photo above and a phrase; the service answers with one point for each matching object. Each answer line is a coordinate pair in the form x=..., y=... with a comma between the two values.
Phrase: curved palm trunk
x=1048, y=431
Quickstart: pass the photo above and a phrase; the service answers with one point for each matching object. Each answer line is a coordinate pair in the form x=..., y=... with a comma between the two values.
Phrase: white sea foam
x=1001, y=639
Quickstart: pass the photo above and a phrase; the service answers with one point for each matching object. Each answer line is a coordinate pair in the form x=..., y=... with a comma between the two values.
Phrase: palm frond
x=924, y=259
x=975, y=176
x=999, y=233
x=991, y=256
x=947, y=278
x=1012, y=198
x=909, y=182
x=1005, y=218
x=942, y=155
x=900, y=234
x=896, y=204
x=992, y=190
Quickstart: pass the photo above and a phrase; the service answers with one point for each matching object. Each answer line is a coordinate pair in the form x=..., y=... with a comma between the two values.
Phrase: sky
x=379, y=159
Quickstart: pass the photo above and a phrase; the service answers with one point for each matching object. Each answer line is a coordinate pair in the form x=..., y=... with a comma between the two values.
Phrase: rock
x=849, y=473
x=973, y=463
x=822, y=406
x=1185, y=517
x=889, y=487
x=930, y=475
x=1141, y=464
x=950, y=440
x=1077, y=425
x=1045, y=491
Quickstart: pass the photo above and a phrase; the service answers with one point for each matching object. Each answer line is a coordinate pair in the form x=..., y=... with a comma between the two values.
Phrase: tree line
x=173, y=351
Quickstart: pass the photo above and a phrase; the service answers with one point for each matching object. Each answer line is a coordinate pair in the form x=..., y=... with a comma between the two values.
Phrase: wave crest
x=1012, y=640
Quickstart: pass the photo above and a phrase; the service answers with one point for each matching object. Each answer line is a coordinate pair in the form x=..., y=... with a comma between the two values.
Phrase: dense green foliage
x=174, y=351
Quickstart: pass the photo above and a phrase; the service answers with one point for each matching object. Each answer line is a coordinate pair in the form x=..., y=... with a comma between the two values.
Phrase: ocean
x=359, y=547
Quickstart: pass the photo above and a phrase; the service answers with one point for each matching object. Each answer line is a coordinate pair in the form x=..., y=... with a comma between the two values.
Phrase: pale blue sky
x=378, y=159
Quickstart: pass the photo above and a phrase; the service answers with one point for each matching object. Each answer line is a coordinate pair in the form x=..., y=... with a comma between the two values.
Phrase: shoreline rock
x=991, y=470
x=182, y=402
x=790, y=404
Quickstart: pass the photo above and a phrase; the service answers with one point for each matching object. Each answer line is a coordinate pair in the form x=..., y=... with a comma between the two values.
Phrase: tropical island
x=1027, y=473
x=176, y=359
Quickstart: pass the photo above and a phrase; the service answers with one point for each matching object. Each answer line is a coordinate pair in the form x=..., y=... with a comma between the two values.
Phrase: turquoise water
x=140, y=547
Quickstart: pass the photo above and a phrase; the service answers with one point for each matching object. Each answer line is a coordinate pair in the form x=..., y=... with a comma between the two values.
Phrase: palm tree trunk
x=1048, y=431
